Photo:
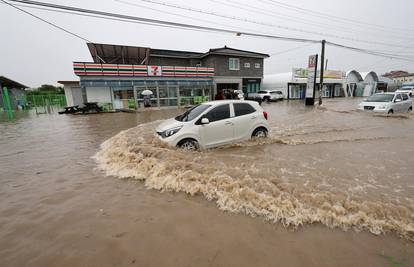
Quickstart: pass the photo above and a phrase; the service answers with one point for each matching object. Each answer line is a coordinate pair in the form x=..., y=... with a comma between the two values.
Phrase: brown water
x=332, y=167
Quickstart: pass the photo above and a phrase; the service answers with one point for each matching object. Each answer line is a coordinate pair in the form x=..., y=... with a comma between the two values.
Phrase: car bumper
x=375, y=110
x=171, y=140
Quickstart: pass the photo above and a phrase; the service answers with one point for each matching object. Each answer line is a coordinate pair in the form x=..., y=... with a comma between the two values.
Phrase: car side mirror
x=205, y=121
x=397, y=100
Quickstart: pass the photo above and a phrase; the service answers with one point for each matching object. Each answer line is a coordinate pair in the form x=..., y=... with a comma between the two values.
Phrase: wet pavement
x=330, y=186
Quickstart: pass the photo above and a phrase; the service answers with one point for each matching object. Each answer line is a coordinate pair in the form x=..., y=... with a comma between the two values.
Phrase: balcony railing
x=97, y=69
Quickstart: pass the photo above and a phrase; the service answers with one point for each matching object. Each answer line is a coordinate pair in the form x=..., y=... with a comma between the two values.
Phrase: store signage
x=300, y=73
x=154, y=70
x=310, y=87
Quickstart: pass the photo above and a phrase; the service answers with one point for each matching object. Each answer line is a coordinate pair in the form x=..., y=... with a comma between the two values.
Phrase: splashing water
x=279, y=179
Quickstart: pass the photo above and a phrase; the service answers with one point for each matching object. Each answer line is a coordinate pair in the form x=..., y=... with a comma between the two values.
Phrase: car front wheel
x=188, y=144
x=391, y=111
x=410, y=109
x=259, y=133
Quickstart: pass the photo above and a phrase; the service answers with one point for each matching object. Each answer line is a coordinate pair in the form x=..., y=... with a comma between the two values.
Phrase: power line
x=153, y=22
x=289, y=50
x=324, y=15
x=370, y=52
x=176, y=14
x=273, y=14
x=164, y=23
x=220, y=15
x=48, y=22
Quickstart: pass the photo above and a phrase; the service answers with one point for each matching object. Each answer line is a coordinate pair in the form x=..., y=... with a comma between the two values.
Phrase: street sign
x=310, y=86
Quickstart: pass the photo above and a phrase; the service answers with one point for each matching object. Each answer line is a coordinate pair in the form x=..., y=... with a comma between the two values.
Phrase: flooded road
x=321, y=171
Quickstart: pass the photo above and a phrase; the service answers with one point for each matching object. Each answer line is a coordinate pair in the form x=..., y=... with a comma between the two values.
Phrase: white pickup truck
x=267, y=95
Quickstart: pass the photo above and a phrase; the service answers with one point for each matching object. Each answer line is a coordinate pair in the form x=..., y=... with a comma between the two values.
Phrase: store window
x=234, y=64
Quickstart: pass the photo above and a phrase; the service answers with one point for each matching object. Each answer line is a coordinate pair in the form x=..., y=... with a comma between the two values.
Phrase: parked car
x=407, y=89
x=268, y=95
x=240, y=94
x=215, y=123
x=388, y=103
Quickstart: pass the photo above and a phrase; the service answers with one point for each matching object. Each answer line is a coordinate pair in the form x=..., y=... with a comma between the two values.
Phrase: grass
x=393, y=261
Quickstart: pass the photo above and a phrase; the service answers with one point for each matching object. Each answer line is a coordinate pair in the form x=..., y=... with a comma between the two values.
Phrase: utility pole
x=321, y=72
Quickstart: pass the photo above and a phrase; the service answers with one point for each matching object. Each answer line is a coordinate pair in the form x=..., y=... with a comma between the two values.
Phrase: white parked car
x=388, y=103
x=215, y=123
x=268, y=95
x=407, y=89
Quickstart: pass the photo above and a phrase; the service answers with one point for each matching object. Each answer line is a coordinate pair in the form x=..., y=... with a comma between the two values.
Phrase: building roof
x=9, y=83
x=68, y=82
x=122, y=54
x=397, y=74
x=228, y=51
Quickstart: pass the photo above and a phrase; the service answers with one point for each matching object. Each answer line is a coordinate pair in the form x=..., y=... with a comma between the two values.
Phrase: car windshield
x=380, y=98
x=192, y=113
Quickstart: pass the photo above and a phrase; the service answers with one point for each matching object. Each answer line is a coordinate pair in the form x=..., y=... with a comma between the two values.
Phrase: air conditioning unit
x=198, y=64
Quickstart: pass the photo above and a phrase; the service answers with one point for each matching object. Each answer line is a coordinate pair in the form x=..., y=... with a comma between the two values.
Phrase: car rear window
x=404, y=96
x=241, y=109
x=218, y=113
x=262, y=92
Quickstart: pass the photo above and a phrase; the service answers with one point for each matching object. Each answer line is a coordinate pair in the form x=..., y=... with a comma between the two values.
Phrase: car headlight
x=382, y=107
x=169, y=132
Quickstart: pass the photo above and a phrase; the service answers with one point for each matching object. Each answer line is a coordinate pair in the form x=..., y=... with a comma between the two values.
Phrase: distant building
x=336, y=83
x=119, y=74
x=16, y=92
x=400, y=77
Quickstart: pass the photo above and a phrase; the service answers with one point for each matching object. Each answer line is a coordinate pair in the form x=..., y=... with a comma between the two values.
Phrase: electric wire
x=278, y=15
x=331, y=17
x=220, y=15
x=127, y=18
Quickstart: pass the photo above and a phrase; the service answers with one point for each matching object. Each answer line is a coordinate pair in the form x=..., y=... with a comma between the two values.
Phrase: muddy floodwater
x=331, y=186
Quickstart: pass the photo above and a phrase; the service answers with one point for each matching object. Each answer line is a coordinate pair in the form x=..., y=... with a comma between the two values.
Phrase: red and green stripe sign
x=97, y=69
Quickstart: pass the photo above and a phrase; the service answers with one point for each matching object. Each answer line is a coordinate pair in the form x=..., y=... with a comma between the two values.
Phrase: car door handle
x=228, y=123
x=254, y=117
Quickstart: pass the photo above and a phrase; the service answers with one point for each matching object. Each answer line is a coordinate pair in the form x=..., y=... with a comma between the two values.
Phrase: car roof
x=217, y=102
x=386, y=93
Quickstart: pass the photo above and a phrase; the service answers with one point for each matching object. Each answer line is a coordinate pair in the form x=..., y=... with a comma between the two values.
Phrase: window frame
x=257, y=65
x=205, y=115
x=234, y=109
x=246, y=65
x=237, y=66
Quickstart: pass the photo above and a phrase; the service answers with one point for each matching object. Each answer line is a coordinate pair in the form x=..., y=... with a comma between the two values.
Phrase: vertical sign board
x=310, y=86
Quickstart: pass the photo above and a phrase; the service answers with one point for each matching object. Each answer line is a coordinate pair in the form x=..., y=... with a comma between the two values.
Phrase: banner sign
x=300, y=73
x=310, y=87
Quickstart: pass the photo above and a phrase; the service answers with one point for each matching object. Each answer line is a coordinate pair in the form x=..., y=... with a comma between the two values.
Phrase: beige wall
x=404, y=79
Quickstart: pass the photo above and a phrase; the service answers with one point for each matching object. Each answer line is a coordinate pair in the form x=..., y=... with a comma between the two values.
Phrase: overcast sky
x=34, y=53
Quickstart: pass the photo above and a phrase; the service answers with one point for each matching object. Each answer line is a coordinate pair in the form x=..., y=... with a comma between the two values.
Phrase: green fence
x=46, y=100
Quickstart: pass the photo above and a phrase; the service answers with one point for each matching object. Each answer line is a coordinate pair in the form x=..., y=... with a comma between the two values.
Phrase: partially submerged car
x=215, y=123
x=388, y=103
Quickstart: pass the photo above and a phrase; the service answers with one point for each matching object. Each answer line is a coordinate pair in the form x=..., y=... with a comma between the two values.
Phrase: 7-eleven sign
x=154, y=70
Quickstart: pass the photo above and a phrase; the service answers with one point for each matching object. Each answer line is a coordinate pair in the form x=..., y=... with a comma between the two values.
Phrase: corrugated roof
x=122, y=54
x=9, y=83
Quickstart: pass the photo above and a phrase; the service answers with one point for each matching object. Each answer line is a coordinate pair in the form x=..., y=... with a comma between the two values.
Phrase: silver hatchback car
x=388, y=103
